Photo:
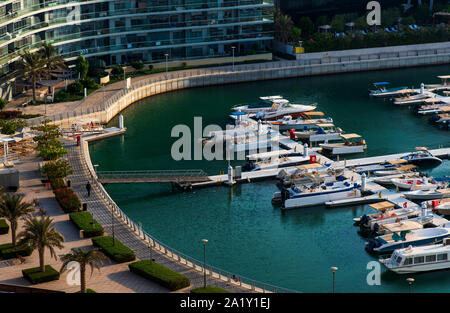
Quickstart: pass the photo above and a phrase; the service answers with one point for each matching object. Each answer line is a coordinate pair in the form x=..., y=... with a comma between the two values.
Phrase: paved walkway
x=99, y=209
x=112, y=277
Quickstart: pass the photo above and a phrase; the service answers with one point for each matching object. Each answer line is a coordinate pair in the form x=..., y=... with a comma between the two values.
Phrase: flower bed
x=68, y=200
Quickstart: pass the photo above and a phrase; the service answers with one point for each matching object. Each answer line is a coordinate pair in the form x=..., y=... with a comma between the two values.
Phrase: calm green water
x=246, y=234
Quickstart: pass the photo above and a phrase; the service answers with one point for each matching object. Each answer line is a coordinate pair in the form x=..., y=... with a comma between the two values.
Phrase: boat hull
x=306, y=200
x=427, y=267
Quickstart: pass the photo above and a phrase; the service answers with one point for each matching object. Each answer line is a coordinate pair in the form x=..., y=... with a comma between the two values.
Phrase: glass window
x=408, y=261
x=430, y=258
x=442, y=257
x=398, y=259
x=418, y=259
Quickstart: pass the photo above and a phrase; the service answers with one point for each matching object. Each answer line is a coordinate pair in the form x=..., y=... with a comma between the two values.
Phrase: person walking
x=88, y=188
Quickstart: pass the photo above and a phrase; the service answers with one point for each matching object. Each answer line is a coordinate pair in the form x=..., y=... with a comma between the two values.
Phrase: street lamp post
x=232, y=48
x=410, y=282
x=167, y=66
x=334, y=269
x=204, y=261
x=112, y=226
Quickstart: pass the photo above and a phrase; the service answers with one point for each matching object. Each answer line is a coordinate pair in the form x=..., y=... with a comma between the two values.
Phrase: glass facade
x=123, y=31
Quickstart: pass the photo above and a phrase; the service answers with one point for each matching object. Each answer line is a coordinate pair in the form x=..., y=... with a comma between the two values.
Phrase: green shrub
x=35, y=276
x=89, y=83
x=138, y=65
x=83, y=220
x=57, y=183
x=118, y=252
x=159, y=274
x=7, y=251
x=75, y=87
x=117, y=70
x=209, y=289
x=67, y=199
x=2, y=103
x=4, y=227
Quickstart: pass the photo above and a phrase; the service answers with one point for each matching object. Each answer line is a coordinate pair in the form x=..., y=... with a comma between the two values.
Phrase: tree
x=283, y=26
x=12, y=207
x=82, y=67
x=295, y=34
x=92, y=258
x=51, y=58
x=49, y=147
x=306, y=25
x=32, y=66
x=57, y=169
x=338, y=23
x=41, y=234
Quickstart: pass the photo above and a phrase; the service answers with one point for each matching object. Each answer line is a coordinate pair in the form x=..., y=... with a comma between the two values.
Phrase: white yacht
x=414, y=184
x=317, y=194
x=422, y=157
x=419, y=259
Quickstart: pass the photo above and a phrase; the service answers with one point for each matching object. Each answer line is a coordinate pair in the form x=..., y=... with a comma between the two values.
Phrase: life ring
x=235, y=278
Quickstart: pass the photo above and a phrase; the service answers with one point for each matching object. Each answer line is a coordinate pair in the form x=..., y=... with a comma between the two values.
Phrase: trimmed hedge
x=118, y=252
x=7, y=251
x=4, y=227
x=35, y=276
x=209, y=289
x=57, y=183
x=68, y=200
x=83, y=220
x=159, y=274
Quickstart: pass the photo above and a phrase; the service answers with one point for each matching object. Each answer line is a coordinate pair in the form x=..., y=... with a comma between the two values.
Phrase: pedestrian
x=88, y=188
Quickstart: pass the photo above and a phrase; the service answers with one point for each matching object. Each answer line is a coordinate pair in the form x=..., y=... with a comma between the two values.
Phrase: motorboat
x=350, y=143
x=310, y=173
x=306, y=119
x=319, y=133
x=413, y=99
x=390, y=242
x=382, y=91
x=282, y=108
x=419, y=259
x=422, y=157
x=298, y=196
x=414, y=184
x=386, y=213
x=265, y=102
x=423, y=195
x=433, y=109
x=443, y=207
x=273, y=159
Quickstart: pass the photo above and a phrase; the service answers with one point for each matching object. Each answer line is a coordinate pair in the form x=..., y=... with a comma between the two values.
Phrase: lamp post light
x=334, y=269
x=95, y=168
x=204, y=261
x=232, y=48
x=167, y=66
x=410, y=282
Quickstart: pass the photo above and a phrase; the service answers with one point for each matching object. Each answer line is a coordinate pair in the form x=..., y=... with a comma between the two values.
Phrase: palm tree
x=283, y=26
x=52, y=59
x=32, y=66
x=40, y=234
x=94, y=258
x=12, y=207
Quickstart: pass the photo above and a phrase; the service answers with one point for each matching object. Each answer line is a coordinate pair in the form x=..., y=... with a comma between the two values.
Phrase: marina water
x=247, y=235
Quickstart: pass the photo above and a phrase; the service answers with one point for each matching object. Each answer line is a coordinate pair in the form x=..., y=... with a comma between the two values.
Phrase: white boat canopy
x=421, y=148
x=384, y=205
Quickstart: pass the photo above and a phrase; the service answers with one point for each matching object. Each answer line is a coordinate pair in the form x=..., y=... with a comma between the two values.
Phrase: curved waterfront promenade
x=105, y=210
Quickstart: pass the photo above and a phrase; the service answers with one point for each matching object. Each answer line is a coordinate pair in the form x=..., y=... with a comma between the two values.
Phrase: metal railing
x=213, y=272
x=151, y=174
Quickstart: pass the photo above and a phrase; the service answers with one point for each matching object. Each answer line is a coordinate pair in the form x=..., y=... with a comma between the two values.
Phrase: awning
x=406, y=167
x=350, y=136
x=398, y=161
x=309, y=166
x=422, y=148
x=381, y=83
x=382, y=205
x=313, y=114
x=402, y=226
x=325, y=125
